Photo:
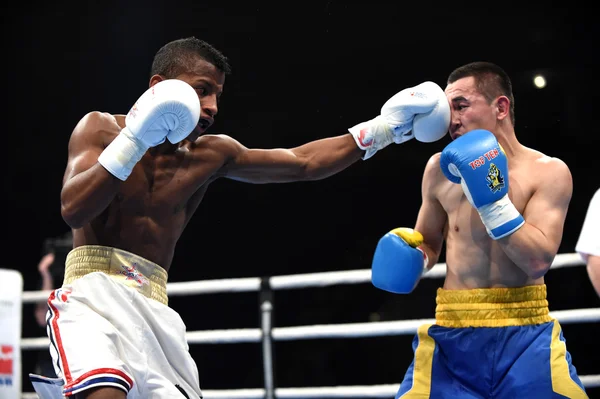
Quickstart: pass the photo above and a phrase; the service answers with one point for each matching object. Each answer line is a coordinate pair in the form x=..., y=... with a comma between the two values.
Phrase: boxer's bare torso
x=474, y=260
x=147, y=213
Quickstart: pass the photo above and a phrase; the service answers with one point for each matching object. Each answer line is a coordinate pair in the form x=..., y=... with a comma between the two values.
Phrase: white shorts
x=105, y=330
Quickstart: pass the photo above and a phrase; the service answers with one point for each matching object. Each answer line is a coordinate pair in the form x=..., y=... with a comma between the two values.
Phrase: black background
x=301, y=71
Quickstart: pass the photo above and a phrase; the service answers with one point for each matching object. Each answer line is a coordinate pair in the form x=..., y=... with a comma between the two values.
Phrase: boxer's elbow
x=534, y=274
x=72, y=214
x=537, y=268
x=72, y=218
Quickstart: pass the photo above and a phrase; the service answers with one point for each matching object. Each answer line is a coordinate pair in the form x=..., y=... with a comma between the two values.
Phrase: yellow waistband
x=492, y=307
x=129, y=269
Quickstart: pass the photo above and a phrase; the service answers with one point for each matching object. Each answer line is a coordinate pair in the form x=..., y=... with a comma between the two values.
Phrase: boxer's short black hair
x=177, y=56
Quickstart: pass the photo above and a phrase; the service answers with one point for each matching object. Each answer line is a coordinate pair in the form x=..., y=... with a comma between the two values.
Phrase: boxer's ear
x=502, y=107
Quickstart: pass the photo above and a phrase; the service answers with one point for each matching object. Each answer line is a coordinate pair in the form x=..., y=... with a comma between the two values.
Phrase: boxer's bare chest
x=473, y=257
x=162, y=187
x=523, y=178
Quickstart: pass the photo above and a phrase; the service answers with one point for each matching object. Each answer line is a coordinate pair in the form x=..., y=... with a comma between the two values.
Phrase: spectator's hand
x=40, y=313
x=45, y=262
x=47, y=284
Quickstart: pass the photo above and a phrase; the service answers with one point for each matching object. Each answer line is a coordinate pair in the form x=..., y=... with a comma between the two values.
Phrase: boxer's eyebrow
x=212, y=85
x=458, y=99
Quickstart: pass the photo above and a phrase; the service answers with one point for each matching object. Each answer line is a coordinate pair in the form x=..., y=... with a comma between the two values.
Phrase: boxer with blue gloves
x=493, y=334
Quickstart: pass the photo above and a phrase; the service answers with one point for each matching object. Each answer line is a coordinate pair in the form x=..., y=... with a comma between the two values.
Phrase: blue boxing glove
x=398, y=263
x=477, y=161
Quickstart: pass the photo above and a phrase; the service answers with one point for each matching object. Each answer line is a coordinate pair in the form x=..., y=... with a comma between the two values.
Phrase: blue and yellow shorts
x=491, y=343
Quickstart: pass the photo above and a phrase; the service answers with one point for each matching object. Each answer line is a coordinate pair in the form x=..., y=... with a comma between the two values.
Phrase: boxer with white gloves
x=131, y=185
x=420, y=112
x=168, y=110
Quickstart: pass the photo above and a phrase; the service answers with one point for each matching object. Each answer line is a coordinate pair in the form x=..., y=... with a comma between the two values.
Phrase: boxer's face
x=470, y=109
x=208, y=81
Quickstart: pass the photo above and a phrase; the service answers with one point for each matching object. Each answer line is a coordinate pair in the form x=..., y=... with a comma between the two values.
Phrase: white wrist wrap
x=122, y=154
x=501, y=218
x=372, y=136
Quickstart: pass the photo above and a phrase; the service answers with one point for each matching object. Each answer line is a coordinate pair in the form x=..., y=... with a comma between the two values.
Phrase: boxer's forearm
x=328, y=156
x=87, y=194
x=530, y=250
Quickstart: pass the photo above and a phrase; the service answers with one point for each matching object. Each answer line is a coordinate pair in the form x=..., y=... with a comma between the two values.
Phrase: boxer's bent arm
x=312, y=161
x=534, y=246
x=432, y=218
x=88, y=188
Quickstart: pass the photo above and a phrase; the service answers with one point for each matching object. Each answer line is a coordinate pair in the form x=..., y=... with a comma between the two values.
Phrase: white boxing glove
x=420, y=112
x=168, y=110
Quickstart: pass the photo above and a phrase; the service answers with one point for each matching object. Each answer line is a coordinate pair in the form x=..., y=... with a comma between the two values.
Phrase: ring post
x=266, y=315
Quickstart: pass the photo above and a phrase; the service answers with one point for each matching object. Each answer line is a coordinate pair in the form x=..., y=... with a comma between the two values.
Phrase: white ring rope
x=293, y=281
x=347, y=330
x=319, y=331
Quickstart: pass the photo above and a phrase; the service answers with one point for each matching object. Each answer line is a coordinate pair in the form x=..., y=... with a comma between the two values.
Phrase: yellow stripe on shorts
x=421, y=386
x=562, y=383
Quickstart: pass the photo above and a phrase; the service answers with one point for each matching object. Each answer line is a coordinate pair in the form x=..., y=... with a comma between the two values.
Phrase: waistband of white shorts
x=129, y=269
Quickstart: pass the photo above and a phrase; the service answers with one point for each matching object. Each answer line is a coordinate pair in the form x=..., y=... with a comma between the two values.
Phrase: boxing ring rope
x=266, y=333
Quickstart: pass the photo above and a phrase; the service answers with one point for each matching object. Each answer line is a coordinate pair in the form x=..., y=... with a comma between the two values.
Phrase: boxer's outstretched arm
x=534, y=246
x=88, y=187
x=396, y=123
x=312, y=161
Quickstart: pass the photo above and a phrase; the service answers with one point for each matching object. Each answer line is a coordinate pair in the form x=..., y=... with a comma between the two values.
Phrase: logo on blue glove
x=494, y=178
